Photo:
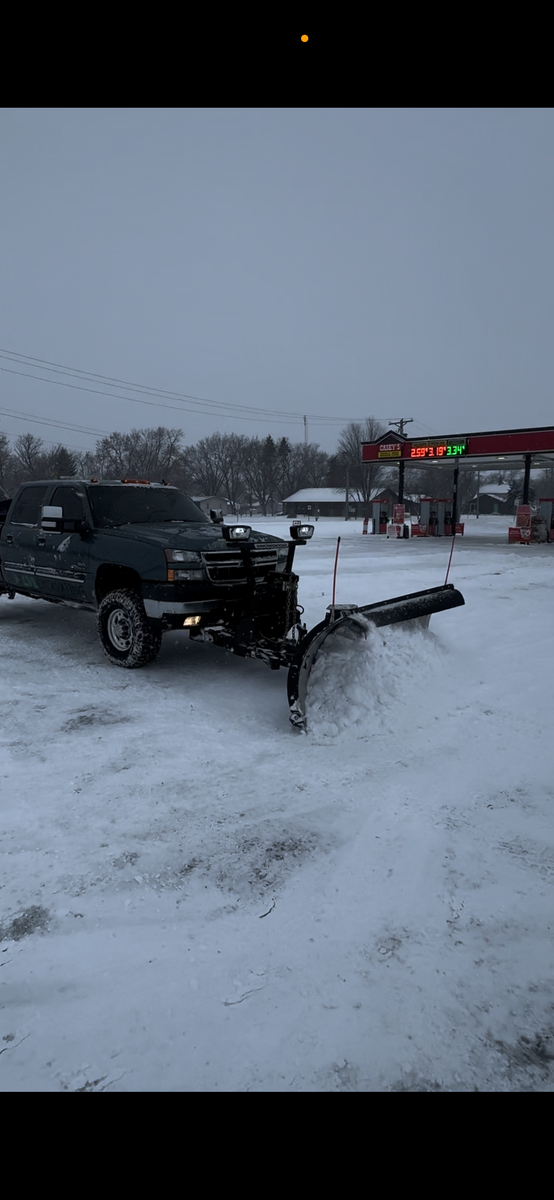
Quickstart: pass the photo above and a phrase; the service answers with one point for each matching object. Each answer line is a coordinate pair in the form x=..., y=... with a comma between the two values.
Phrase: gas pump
x=546, y=512
x=424, y=516
x=380, y=516
x=435, y=516
x=441, y=516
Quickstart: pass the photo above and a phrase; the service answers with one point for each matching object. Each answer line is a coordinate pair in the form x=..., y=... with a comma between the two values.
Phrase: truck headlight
x=182, y=556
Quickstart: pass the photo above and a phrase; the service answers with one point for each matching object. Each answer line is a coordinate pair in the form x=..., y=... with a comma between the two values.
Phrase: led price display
x=438, y=449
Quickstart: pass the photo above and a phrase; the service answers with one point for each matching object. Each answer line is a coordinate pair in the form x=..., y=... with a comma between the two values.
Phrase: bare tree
x=260, y=469
x=545, y=482
x=315, y=465
x=291, y=462
x=300, y=466
x=157, y=451
x=142, y=453
x=6, y=462
x=204, y=465
x=29, y=457
x=116, y=453
x=365, y=479
x=467, y=488
x=88, y=464
x=59, y=462
x=274, y=470
x=515, y=494
x=233, y=451
x=432, y=480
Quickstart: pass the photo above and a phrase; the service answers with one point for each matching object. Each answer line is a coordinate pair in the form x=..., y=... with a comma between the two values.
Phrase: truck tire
x=126, y=636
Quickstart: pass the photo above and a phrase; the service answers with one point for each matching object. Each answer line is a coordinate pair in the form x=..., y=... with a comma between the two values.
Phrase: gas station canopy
x=517, y=448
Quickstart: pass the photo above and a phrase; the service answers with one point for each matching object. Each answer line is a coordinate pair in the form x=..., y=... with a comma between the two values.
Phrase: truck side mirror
x=51, y=518
x=216, y=515
x=52, y=521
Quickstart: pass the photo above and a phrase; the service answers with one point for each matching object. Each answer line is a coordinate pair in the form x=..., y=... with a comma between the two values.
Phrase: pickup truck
x=146, y=559
x=143, y=557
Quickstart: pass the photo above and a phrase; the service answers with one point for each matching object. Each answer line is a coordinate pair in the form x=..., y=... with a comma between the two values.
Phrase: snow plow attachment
x=350, y=620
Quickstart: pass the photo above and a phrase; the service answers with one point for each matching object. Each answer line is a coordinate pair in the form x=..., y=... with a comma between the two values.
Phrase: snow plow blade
x=415, y=608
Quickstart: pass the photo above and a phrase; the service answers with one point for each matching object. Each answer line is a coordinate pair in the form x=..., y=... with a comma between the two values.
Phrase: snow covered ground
x=193, y=896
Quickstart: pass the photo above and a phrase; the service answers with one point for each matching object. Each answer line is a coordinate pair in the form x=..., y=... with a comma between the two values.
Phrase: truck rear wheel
x=126, y=636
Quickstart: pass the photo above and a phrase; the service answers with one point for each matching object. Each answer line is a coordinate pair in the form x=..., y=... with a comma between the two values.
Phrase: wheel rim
x=120, y=630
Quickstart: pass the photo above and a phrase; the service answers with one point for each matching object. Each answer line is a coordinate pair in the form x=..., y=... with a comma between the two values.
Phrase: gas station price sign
x=439, y=448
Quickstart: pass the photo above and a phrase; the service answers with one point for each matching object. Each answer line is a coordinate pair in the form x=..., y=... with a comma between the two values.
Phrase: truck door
x=18, y=540
x=62, y=558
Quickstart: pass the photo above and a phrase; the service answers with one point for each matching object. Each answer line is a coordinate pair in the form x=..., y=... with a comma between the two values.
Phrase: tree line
x=244, y=470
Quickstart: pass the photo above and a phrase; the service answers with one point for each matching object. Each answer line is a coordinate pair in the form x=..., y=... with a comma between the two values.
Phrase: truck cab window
x=27, y=508
x=71, y=502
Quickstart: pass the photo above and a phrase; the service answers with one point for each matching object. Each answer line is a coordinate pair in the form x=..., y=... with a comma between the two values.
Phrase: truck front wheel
x=126, y=636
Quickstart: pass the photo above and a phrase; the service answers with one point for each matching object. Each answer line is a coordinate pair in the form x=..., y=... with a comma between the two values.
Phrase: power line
x=72, y=449
x=258, y=413
x=281, y=420
x=133, y=400
x=91, y=377
x=222, y=409
x=30, y=417
x=428, y=427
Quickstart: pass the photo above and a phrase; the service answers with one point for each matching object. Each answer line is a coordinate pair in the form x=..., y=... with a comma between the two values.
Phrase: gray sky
x=334, y=262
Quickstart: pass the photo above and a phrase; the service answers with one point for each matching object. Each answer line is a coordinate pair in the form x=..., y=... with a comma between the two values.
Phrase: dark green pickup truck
x=146, y=559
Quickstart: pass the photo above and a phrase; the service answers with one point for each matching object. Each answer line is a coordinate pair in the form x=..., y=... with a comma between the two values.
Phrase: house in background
x=493, y=499
x=388, y=497
x=215, y=502
x=319, y=502
x=330, y=502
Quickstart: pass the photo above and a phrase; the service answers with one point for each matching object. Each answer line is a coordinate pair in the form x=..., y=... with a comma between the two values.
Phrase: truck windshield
x=135, y=504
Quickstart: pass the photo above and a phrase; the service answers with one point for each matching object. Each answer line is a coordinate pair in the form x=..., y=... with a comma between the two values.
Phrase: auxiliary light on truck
x=236, y=533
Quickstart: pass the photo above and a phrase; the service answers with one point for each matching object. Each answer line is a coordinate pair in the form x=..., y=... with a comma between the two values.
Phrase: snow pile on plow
x=362, y=686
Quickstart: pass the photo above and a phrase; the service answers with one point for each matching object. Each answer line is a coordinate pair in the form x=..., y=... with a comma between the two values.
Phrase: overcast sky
x=337, y=263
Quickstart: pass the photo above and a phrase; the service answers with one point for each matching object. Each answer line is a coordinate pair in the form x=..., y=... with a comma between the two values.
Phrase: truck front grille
x=227, y=566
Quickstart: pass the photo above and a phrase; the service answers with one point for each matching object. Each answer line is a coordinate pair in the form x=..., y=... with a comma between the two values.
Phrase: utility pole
x=526, y=479
x=455, y=498
x=305, y=431
x=346, y=513
x=402, y=421
x=401, y=465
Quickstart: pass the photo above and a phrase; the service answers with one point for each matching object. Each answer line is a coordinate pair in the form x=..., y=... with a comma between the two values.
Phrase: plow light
x=192, y=621
x=236, y=533
x=301, y=531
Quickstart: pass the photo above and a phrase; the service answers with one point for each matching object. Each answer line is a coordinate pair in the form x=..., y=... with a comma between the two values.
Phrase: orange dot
x=304, y=37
